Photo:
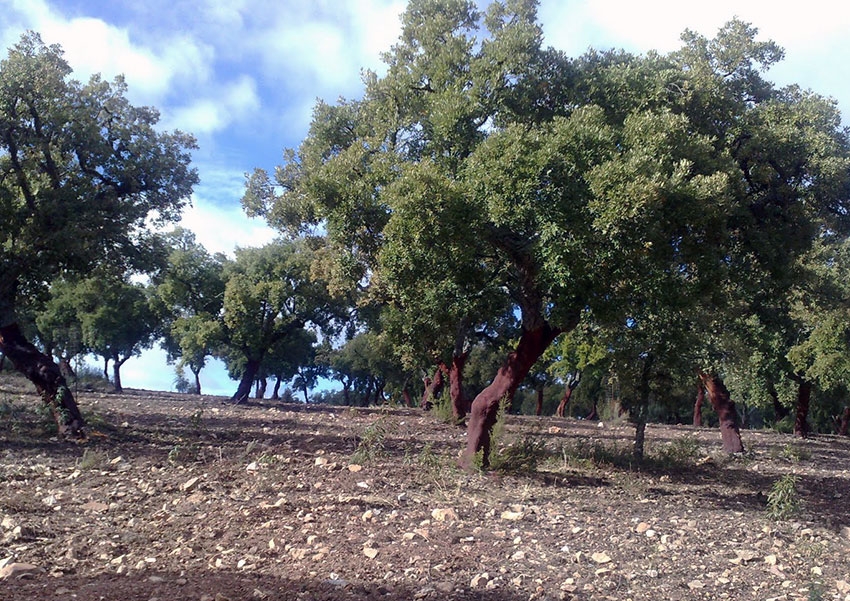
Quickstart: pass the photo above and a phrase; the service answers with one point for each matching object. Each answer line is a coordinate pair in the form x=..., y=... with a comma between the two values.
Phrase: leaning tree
x=561, y=183
x=82, y=175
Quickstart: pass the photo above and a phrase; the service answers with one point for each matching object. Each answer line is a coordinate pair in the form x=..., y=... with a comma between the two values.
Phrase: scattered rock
x=444, y=515
x=370, y=552
x=16, y=570
x=190, y=483
x=512, y=516
x=479, y=580
x=95, y=506
x=600, y=557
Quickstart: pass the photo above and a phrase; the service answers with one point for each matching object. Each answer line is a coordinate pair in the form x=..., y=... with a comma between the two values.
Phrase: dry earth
x=175, y=497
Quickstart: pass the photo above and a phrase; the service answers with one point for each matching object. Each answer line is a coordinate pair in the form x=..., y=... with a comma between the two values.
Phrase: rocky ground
x=176, y=497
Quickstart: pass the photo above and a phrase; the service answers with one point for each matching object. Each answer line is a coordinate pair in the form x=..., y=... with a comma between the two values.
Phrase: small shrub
x=92, y=460
x=680, y=452
x=794, y=453
x=371, y=444
x=523, y=455
x=783, y=500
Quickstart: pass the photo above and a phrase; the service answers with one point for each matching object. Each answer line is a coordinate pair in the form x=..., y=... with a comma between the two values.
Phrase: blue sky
x=243, y=75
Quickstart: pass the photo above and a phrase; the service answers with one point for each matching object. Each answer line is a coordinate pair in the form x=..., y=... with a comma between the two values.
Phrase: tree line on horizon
x=660, y=229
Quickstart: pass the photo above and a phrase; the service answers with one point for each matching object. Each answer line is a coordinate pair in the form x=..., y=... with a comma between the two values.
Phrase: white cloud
x=221, y=229
x=228, y=104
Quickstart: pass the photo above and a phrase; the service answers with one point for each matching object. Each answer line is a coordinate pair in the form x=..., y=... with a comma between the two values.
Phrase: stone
x=479, y=580
x=600, y=557
x=16, y=570
x=370, y=552
x=444, y=515
x=512, y=516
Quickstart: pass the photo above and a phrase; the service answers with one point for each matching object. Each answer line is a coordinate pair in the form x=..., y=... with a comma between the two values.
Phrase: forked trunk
x=485, y=407
x=571, y=385
x=804, y=397
x=698, y=405
x=723, y=405
x=433, y=388
x=116, y=373
x=244, y=390
x=44, y=373
x=262, y=383
x=197, y=374
x=460, y=404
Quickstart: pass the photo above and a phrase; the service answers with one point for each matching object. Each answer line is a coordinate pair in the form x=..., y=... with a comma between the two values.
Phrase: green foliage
x=783, y=499
x=522, y=455
x=82, y=172
x=371, y=443
x=680, y=452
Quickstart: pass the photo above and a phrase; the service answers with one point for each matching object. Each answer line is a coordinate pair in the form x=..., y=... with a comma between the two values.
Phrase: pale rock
x=695, y=584
x=16, y=569
x=8, y=523
x=354, y=468
x=770, y=560
x=444, y=515
x=190, y=483
x=642, y=527
x=370, y=552
x=320, y=461
x=843, y=587
x=518, y=555
x=479, y=579
x=252, y=467
x=512, y=516
x=600, y=557
x=95, y=506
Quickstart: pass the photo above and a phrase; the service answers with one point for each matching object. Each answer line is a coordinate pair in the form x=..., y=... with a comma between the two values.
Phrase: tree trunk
x=845, y=422
x=106, y=368
x=45, y=375
x=433, y=389
x=804, y=396
x=539, y=409
x=638, y=413
x=460, y=404
x=262, y=384
x=276, y=389
x=569, y=387
x=594, y=411
x=346, y=393
x=244, y=390
x=306, y=398
x=779, y=410
x=116, y=372
x=723, y=405
x=485, y=407
x=698, y=405
x=197, y=374
x=408, y=400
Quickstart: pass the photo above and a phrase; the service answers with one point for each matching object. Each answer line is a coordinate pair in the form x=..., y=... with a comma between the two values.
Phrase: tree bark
x=485, y=406
x=460, y=404
x=197, y=374
x=408, y=400
x=244, y=390
x=569, y=387
x=804, y=396
x=262, y=384
x=723, y=405
x=433, y=389
x=539, y=410
x=845, y=422
x=116, y=373
x=276, y=389
x=45, y=375
x=779, y=410
x=698, y=405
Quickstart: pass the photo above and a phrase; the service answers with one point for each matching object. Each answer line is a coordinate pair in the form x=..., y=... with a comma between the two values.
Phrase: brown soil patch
x=178, y=497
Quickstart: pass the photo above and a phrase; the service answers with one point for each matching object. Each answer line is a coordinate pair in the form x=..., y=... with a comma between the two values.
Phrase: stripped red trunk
x=433, y=388
x=698, y=405
x=804, y=397
x=571, y=385
x=485, y=406
x=44, y=373
x=723, y=405
x=460, y=404
x=408, y=400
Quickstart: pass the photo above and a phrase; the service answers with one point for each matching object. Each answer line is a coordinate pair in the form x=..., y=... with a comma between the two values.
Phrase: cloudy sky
x=243, y=75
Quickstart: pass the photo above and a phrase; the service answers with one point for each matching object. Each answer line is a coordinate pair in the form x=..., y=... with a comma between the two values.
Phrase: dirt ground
x=177, y=497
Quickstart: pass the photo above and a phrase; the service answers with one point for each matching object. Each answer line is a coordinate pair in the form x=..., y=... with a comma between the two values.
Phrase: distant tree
x=82, y=175
x=270, y=297
x=190, y=293
x=117, y=320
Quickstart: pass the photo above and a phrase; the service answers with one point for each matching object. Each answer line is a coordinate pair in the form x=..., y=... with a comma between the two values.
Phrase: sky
x=243, y=76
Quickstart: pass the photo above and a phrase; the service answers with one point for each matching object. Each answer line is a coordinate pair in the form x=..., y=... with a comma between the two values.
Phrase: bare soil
x=178, y=497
